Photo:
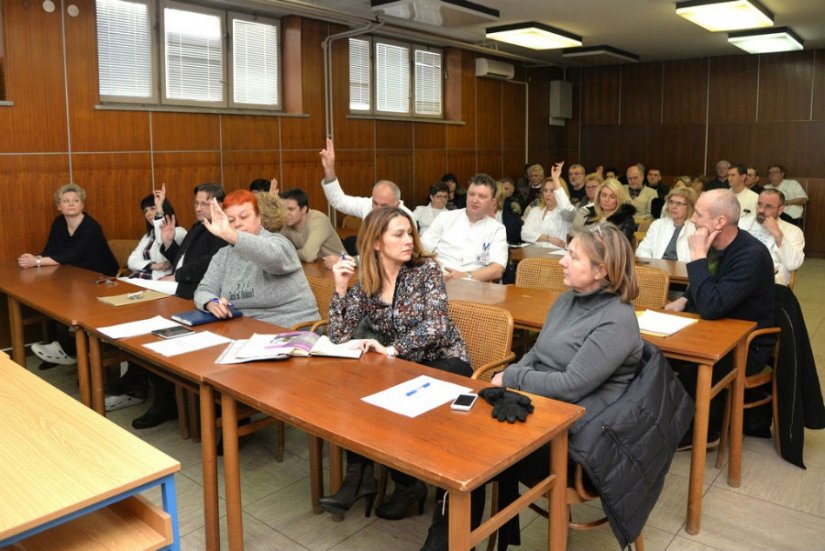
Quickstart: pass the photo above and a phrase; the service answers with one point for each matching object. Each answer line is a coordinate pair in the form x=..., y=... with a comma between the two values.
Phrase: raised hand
x=328, y=161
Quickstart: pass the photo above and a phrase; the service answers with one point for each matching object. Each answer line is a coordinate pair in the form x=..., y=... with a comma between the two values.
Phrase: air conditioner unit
x=490, y=68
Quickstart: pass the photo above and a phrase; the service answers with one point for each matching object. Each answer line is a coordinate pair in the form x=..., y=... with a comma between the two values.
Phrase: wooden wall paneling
x=241, y=167
x=600, y=95
x=115, y=183
x=685, y=94
x=736, y=143
x=616, y=146
x=453, y=83
x=641, y=101
x=185, y=132
x=462, y=163
x=292, y=87
x=430, y=165
x=430, y=136
x=349, y=133
x=393, y=135
x=396, y=165
x=512, y=164
x=34, y=81
x=245, y=132
x=488, y=114
x=182, y=171
x=464, y=136
x=814, y=216
x=790, y=144
x=676, y=149
x=785, y=83
x=819, y=85
x=490, y=162
x=27, y=184
x=733, y=84
x=538, y=80
x=96, y=130
x=513, y=112
x=308, y=133
x=302, y=169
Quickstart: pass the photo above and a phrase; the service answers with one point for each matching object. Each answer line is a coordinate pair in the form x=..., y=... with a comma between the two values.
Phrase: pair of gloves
x=507, y=405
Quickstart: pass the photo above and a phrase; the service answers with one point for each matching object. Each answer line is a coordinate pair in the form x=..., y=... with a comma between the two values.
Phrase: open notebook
x=283, y=345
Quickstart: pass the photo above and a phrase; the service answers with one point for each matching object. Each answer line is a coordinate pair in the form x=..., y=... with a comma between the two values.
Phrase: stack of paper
x=416, y=396
x=659, y=324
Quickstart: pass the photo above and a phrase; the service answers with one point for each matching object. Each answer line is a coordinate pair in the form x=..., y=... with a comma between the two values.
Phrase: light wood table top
x=59, y=457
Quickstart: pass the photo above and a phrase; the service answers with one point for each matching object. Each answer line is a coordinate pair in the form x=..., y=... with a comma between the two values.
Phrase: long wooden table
x=71, y=475
x=65, y=294
x=455, y=451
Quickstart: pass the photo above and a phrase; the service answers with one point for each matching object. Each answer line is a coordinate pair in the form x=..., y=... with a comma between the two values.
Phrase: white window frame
x=230, y=59
x=411, y=93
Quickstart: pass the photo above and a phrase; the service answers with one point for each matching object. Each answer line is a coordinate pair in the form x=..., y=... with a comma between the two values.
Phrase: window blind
x=427, y=83
x=194, y=55
x=254, y=63
x=359, y=75
x=392, y=78
x=124, y=52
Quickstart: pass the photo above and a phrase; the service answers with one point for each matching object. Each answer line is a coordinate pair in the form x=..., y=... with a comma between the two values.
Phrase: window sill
x=370, y=117
x=4, y=103
x=188, y=109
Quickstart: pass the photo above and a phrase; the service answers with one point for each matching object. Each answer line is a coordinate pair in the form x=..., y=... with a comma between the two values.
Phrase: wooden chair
x=322, y=289
x=644, y=224
x=122, y=248
x=540, y=273
x=653, y=286
x=638, y=237
x=792, y=280
x=351, y=222
x=764, y=377
x=488, y=333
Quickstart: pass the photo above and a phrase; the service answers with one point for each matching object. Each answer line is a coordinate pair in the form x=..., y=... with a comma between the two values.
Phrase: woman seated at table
x=548, y=223
x=146, y=261
x=75, y=239
x=259, y=273
x=613, y=205
x=667, y=237
x=400, y=301
x=457, y=198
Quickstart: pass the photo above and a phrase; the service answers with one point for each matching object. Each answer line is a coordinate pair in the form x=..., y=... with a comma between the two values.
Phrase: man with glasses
x=576, y=176
x=795, y=196
x=784, y=241
x=641, y=196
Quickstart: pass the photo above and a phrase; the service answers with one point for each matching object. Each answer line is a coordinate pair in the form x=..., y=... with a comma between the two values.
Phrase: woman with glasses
x=667, y=237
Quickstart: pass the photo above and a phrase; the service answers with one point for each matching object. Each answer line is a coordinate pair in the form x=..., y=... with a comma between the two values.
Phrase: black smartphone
x=172, y=332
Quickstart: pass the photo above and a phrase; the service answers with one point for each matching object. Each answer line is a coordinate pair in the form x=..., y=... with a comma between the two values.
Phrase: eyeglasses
x=673, y=203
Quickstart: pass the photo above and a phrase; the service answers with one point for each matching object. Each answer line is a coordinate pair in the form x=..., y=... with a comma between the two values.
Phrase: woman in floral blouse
x=400, y=306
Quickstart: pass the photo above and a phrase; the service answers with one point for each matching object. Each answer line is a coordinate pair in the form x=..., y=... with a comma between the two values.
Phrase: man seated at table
x=730, y=275
x=641, y=196
x=384, y=193
x=784, y=240
x=425, y=214
x=189, y=260
x=737, y=179
x=309, y=230
x=468, y=242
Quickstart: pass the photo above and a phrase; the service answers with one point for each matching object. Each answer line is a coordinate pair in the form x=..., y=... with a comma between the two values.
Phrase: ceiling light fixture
x=533, y=35
x=763, y=41
x=441, y=13
x=605, y=51
x=725, y=15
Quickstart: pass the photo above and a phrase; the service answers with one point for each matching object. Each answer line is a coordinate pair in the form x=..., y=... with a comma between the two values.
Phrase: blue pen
x=413, y=391
x=343, y=255
x=218, y=301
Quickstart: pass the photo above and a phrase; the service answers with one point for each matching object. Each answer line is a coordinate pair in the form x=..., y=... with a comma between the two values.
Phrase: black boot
x=438, y=537
x=358, y=482
x=403, y=499
x=164, y=408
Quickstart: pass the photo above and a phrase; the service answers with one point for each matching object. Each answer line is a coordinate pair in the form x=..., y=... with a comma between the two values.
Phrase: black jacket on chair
x=626, y=448
x=799, y=396
x=197, y=248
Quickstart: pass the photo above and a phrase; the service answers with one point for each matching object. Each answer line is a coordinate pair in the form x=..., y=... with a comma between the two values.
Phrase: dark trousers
x=794, y=221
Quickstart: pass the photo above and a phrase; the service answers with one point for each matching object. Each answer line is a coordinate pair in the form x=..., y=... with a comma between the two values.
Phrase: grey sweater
x=262, y=276
x=587, y=341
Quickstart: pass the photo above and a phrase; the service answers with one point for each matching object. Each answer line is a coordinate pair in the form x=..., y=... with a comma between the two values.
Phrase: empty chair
x=540, y=273
x=488, y=333
x=653, y=286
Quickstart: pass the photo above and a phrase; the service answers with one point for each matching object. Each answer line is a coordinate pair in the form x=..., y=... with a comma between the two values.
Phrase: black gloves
x=507, y=405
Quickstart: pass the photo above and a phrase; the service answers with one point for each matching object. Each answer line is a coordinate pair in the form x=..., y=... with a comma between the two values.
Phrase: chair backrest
x=322, y=289
x=792, y=280
x=540, y=273
x=122, y=248
x=487, y=331
x=653, y=286
x=351, y=222
x=638, y=237
x=644, y=224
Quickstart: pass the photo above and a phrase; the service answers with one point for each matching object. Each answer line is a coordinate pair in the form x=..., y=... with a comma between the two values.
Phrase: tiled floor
x=777, y=507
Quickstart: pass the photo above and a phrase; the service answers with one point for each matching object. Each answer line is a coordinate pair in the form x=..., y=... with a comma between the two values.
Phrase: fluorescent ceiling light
x=725, y=15
x=441, y=13
x=763, y=41
x=536, y=36
x=600, y=51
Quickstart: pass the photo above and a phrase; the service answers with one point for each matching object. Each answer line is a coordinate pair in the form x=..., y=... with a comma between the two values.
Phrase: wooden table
x=65, y=294
x=529, y=307
x=455, y=451
x=70, y=475
x=677, y=271
x=190, y=369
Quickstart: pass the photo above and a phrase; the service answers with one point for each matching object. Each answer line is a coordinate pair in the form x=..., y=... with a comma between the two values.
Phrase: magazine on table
x=283, y=345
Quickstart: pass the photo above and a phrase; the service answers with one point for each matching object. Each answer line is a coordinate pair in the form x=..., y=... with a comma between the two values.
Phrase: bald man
x=384, y=193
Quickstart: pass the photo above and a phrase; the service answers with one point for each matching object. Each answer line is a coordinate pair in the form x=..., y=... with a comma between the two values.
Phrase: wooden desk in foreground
x=455, y=451
x=71, y=476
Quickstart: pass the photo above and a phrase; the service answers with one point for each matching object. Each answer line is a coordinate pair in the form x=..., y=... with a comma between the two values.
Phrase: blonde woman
x=548, y=222
x=612, y=205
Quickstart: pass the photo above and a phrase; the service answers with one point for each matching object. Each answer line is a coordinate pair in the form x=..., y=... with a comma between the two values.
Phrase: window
x=206, y=57
x=393, y=67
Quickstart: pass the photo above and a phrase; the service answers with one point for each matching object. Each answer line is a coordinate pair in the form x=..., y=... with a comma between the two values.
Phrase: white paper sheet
x=416, y=396
x=168, y=287
x=660, y=324
x=134, y=328
x=190, y=343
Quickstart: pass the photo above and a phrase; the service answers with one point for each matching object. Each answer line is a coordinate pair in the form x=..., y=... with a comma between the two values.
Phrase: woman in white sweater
x=548, y=223
x=146, y=261
x=667, y=237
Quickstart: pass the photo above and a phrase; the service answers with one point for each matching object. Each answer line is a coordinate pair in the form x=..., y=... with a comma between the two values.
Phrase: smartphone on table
x=172, y=332
x=464, y=402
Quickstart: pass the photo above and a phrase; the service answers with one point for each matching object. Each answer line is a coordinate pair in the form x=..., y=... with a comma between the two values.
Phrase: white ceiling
x=648, y=28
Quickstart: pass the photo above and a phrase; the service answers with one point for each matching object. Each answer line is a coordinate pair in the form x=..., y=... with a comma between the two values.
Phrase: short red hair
x=239, y=197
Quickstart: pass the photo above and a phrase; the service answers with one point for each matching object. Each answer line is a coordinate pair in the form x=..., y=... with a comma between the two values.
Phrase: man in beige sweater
x=309, y=230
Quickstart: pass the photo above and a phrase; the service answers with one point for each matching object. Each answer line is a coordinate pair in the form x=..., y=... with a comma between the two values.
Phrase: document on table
x=166, y=287
x=135, y=328
x=416, y=396
x=190, y=343
x=658, y=324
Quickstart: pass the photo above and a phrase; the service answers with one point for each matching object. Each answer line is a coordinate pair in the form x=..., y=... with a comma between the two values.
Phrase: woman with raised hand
x=548, y=223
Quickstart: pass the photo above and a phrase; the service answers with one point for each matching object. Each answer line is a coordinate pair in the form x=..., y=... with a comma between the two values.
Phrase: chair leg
x=193, y=409
x=639, y=544
x=383, y=475
x=775, y=422
x=280, y=427
x=725, y=433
